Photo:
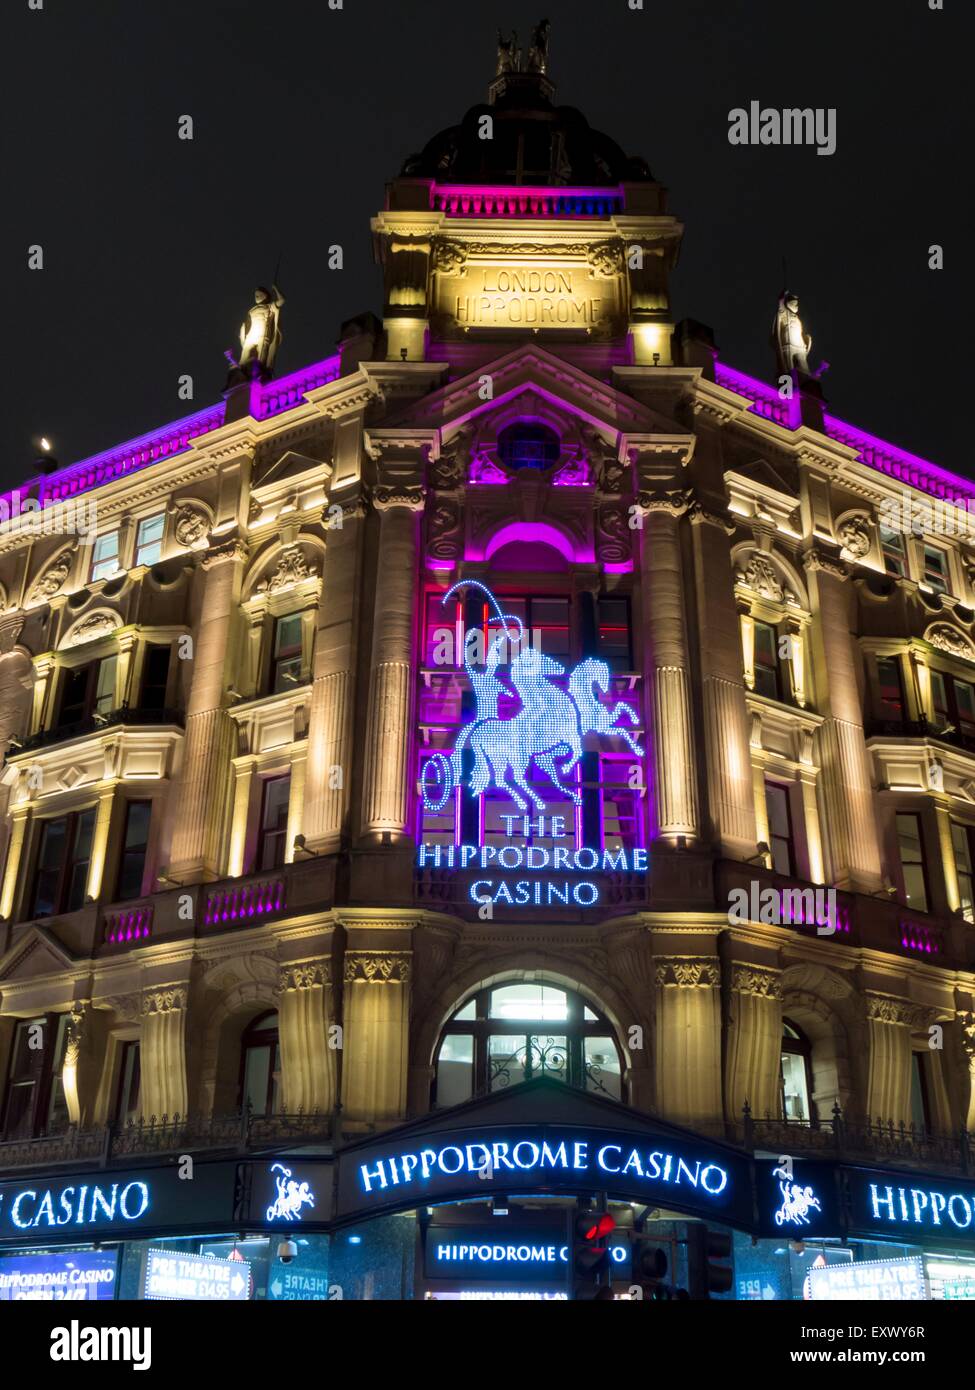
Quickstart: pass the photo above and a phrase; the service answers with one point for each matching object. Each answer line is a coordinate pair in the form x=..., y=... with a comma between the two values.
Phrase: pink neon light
x=518, y=200
x=618, y=567
x=537, y=533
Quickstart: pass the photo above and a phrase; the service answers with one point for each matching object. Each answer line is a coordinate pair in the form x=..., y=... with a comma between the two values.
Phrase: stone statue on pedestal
x=791, y=341
x=538, y=52
x=260, y=333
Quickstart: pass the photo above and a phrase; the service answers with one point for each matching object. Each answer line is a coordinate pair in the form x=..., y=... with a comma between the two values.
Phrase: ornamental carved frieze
x=948, y=639
x=51, y=581
x=687, y=972
x=884, y=1008
x=192, y=526
x=612, y=535
x=673, y=502
x=233, y=550
x=757, y=981
x=125, y=1007
x=170, y=999
x=444, y=530
x=306, y=975
x=606, y=259
x=761, y=577
x=544, y=251
x=377, y=967
x=573, y=473
x=90, y=629
x=966, y=1023
x=449, y=257
x=854, y=535
x=292, y=568
x=815, y=559
x=387, y=496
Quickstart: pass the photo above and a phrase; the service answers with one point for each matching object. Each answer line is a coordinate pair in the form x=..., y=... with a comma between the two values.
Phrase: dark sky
x=152, y=245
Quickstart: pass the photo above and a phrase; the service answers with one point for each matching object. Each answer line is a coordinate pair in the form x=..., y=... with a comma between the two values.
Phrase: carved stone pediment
x=36, y=954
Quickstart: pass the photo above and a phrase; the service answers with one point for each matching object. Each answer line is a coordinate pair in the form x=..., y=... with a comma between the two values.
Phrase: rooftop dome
x=534, y=143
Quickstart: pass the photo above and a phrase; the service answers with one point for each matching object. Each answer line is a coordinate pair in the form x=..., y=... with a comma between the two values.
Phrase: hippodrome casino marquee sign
x=545, y=734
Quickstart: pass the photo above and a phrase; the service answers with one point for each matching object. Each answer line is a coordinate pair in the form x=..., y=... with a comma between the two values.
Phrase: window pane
x=939, y=697
x=795, y=1094
x=134, y=844
x=919, y=1118
x=965, y=702
x=614, y=633
x=274, y=823
x=469, y=1011
x=74, y=696
x=148, y=546
x=50, y=860
x=57, y=1106
x=602, y=1067
x=911, y=847
x=105, y=556
x=80, y=859
x=155, y=678
x=257, y=1074
x=455, y=1069
x=506, y=1061
x=550, y=619
x=963, y=869
x=127, y=1111
x=105, y=685
x=548, y=1056
x=935, y=569
x=780, y=828
x=532, y=1001
x=891, y=701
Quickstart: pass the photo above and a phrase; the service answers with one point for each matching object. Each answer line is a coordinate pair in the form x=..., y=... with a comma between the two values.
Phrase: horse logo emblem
x=547, y=730
x=292, y=1196
x=797, y=1201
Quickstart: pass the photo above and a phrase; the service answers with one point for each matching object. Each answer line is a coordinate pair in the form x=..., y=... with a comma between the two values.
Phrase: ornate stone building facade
x=247, y=751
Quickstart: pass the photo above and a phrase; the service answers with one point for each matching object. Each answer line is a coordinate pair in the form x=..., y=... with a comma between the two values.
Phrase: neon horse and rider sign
x=546, y=733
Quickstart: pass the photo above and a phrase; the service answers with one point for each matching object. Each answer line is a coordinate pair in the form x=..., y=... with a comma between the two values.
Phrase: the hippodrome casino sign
x=545, y=735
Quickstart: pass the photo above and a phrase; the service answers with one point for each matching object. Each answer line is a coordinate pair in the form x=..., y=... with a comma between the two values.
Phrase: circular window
x=528, y=446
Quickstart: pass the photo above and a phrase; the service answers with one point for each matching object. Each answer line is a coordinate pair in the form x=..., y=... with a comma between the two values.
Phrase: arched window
x=796, y=1074
x=516, y=1032
x=260, y=1066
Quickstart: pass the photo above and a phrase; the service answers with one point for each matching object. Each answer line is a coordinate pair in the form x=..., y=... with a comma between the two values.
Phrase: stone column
x=163, y=1052
x=385, y=801
x=203, y=798
x=329, y=774
x=308, y=1063
x=16, y=682
x=753, y=1042
x=890, y=1022
x=243, y=769
x=851, y=820
x=661, y=502
x=966, y=1038
x=99, y=843
x=376, y=1015
x=726, y=724
x=688, y=1039
x=12, y=883
x=84, y=1057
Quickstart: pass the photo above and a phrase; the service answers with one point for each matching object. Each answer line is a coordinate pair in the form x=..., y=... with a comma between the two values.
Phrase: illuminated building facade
x=520, y=724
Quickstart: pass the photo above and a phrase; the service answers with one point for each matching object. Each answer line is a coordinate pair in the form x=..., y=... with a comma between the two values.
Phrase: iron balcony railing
x=46, y=738
x=856, y=1139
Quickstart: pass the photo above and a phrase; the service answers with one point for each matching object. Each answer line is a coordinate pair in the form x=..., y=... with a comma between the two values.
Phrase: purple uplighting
x=499, y=200
x=132, y=924
x=246, y=901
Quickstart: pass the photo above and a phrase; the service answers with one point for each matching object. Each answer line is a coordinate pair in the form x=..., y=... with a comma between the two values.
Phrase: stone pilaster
x=308, y=1063
x=753, y=1042
x=726, y=724
x=688, y=1039
x=376, y=1034
x=202, y=802
x=389, y=726
x=163, y=1052
x=890, y=1023
x=329, y=773
x=84, y=1057
x=661, y=502
x=851, y=820
x=966, y=1026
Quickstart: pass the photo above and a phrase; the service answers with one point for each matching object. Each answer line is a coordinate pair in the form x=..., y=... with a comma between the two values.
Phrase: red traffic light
x=595, y=1225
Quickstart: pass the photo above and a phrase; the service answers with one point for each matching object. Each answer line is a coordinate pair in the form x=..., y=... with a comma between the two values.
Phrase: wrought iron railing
x=873, y=1140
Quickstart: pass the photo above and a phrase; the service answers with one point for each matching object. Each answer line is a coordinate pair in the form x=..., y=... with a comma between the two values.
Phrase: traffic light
x=590, y=1233
x=704, y=1277
x=650, y=1266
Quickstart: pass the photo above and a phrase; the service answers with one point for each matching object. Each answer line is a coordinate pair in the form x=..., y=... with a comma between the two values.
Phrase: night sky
x=153, y=245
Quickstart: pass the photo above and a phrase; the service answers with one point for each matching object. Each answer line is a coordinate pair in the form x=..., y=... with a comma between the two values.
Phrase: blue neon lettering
x=15, y=1209
x=532, y=1149
x=633, y=1164
x=580, y=1154
x=600, y=1159
x=692, y=1177
x=722, y=1174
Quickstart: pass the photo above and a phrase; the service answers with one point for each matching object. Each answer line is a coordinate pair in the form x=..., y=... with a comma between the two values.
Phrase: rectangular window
x=57, y=1117
x=286, y=660
x=149, y=538
x=892, y=548
x=155, y=677
x=63, y=857
x=135, y=843
x=104, y=559
x=35, y=1104
x=920, y=1112
x=767, y=676
x=780, y=828
x=274, y=823
x=891, y=689
x=614, y=634
x=87, y=690
x=939, y=699
x=936, y=569
x=961, y=844
x=130, y=1078
x=910, y=845
x=953, y=705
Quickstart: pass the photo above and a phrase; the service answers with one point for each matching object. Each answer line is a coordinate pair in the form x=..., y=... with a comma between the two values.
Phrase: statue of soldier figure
x=509, y=58
x=538, y=52
x=791, y=341
x=260, y=333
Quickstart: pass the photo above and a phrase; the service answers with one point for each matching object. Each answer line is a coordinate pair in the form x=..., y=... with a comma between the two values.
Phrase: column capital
x=378, y=967
x=756, y=980
x=304, y=975
x=217, y=555
x=688, y=972
x=671, y=501
x=886, y=1008
x=388, y=495
x=167, y=1000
